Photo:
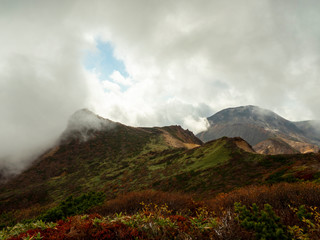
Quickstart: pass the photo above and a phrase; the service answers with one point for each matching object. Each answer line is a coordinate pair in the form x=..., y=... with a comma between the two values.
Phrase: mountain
x=93, y=154
x=96, y=154
x=256, y=125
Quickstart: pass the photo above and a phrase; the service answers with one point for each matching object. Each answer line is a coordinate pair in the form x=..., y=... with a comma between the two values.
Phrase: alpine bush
x=265, y=223
x=73, y=206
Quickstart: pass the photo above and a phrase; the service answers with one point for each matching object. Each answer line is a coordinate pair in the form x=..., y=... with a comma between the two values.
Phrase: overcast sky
x=150, y=62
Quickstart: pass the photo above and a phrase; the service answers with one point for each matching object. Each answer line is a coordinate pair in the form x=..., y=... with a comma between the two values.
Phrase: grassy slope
x=107, y=162
x=129, y=159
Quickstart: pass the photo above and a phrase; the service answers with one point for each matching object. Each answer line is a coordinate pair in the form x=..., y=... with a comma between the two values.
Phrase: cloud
x=41, y=82
x=219, y=54
x=117, y=77
x=82, y=125
x=184, y=59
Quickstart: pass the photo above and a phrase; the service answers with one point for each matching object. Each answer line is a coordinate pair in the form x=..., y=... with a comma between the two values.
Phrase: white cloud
x=110, y=86
x=117, y=77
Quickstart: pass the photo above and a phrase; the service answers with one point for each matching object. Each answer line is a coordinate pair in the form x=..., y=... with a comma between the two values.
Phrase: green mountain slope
x=123, y=159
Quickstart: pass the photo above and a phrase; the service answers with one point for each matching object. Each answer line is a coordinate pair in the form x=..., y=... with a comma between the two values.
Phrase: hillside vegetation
x=127, y=159
x=281, y=211
x=157, y=183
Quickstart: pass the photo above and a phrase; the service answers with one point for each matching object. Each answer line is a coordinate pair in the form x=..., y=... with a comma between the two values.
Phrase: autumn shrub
x=309, y=227
x=279, y=196
x=283, y=197
x=158, y=222
x=131, y=203
x=23, y=228
x=152, y=222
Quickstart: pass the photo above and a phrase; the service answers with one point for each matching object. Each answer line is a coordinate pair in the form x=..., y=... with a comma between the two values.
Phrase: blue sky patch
x=103, y=61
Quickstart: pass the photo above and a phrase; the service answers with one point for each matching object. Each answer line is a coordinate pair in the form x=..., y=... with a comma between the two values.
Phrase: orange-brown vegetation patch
x=131, y=203
x=279, y=196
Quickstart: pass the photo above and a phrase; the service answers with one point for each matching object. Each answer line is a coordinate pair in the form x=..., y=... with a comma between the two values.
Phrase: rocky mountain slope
x=311, y=130
x=256, y=125
x=273, y=146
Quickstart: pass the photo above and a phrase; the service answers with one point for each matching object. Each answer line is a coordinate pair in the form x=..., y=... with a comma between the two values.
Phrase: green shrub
x=278, y=177
x=265, y=223
x=73, y=206
x=302, y=213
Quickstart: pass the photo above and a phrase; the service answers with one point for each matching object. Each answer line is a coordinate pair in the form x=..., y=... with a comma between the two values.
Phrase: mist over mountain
x=82, y=125
x=255, y=125
x=95, y=150
x=311, y=129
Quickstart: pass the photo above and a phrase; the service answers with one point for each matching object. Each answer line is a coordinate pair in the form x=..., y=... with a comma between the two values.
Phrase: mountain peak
x=83, y=123
x=246, y=114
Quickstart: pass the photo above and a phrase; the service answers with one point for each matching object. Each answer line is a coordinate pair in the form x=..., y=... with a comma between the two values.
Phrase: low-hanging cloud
x=184, y=59
x=83, y=124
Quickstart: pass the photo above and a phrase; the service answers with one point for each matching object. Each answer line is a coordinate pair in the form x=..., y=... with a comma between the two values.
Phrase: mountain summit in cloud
x=83, y=123
x=255, y=125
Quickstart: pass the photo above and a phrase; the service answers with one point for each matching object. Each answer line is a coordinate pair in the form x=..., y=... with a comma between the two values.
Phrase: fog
x=83, y=124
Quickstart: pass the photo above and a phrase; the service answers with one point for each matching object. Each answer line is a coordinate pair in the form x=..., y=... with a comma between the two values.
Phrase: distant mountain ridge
x=255, y=125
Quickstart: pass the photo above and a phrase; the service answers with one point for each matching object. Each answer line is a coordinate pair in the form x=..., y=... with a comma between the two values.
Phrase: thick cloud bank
x=184, y=59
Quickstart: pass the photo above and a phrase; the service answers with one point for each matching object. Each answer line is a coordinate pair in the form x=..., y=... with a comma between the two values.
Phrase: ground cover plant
x=280, y=211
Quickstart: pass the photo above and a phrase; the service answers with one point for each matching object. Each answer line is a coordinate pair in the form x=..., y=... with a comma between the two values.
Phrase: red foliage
x=79, y=228
x=182, y=222
x=116, y=231
x=305, y=175
x=178, y=218
x=57, y=233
